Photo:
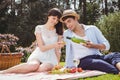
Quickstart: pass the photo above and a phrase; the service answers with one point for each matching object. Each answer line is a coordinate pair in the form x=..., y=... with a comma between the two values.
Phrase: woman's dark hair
x=59, y=25
x=59, y=28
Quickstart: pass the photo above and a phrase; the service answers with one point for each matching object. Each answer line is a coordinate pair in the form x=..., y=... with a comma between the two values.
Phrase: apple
x=79, y=69
x=72, y=70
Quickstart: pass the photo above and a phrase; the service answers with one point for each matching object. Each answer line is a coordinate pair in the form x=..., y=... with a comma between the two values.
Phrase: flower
x=8, y=39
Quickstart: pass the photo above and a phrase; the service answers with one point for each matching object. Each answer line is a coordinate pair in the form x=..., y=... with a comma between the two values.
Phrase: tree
x=119, y=4
x=3, y=16
x=106, y=9
x=75, y=4
x=24, y=17
x=84, y=11
x=92, y=13
x=110, y=26
x=80, y=4
x=67, y=4
x=4, y=4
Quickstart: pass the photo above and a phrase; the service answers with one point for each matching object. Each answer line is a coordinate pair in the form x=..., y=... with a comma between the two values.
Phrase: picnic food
x=56, y=67
x=66, y=70
x=76, y=40
x=73, y=70
x=79, y=69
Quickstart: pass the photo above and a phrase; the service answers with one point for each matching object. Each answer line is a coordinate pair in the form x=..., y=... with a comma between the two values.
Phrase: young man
x=89, y=52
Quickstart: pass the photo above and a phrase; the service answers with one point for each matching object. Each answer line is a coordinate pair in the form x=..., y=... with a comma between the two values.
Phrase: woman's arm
x=58, y=50
x=45, y=47
x=58, y=54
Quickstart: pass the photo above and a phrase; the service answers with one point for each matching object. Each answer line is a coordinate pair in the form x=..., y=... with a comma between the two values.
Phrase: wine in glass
x=76, y=63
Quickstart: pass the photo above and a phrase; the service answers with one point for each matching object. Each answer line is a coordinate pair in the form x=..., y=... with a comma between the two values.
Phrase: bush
x=110, y=26
x=26, y=51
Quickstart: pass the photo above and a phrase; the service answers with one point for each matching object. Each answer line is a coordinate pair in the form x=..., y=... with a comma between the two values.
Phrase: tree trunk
x=4, y=4
x=67, y=4
x=84, y=12
x=58, y=1
x=119, y=4
x=106, y=9
x=90, y=1
x=80, y=4
x=75, y=4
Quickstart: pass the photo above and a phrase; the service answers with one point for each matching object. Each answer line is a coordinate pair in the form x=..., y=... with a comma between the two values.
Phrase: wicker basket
x=9, y=59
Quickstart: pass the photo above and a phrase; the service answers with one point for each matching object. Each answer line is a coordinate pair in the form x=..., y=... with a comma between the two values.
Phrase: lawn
x=102, y=77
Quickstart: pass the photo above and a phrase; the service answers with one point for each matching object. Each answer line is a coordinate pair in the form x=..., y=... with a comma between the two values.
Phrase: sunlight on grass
x=104, y=77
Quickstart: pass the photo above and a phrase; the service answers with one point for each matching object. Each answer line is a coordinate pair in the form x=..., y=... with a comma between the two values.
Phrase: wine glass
x=76, y=63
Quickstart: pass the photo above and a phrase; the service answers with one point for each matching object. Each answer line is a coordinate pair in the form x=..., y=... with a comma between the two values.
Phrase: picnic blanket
x=47, y=76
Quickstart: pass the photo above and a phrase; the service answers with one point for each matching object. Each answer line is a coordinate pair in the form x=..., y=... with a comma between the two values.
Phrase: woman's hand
x=59, y=44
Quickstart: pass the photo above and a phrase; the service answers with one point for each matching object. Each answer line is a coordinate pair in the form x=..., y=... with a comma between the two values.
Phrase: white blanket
x=46, y=76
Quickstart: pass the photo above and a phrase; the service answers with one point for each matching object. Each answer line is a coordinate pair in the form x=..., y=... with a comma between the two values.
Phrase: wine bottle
x=76, y=40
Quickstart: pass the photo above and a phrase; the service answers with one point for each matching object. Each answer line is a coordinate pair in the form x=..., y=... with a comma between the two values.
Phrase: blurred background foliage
x=19, y=17
x=110, y=26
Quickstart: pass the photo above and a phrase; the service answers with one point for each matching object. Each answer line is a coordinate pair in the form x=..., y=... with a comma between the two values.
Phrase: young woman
x=47, y=53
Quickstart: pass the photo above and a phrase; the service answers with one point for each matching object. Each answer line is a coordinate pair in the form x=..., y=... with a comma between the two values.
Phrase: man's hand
x=88, y=44
x=92, y=45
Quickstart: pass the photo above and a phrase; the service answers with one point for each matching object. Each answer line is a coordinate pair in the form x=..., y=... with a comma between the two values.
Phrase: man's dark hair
x=66, y=17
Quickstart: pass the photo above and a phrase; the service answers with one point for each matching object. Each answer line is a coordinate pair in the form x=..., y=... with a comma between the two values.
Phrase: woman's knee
x=45, y=67
x=33, y=65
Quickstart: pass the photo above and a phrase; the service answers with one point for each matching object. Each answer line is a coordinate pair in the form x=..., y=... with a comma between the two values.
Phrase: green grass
x=102, y=77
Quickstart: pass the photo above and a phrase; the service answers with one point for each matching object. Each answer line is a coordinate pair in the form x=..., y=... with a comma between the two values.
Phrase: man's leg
x=114, y=59
x=97, y=64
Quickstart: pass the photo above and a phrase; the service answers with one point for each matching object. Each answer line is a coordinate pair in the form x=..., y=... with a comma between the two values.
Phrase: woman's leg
x=45, y=67
x=23, y=67
x=97, y=64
